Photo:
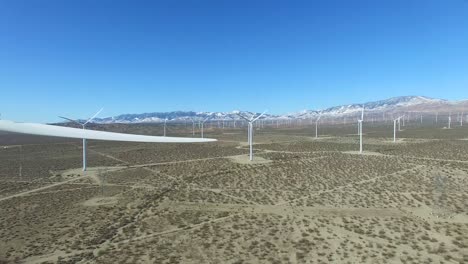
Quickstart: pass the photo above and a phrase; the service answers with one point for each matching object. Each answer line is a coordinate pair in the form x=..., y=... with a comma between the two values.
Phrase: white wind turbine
x=461, y=119
x=84, y=127
x=360, y=129
x=394, y=127
x=201, y=125
x=165, y=123
x=250, y=129
x=193, y=126
x=450, y=120
x=316, y=126
x=399, y=122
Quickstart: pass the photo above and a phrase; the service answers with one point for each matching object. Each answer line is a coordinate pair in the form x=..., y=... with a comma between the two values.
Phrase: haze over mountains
x=395, y=105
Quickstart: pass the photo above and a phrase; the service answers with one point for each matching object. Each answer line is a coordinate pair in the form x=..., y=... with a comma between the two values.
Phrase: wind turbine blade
x=68, y=132
x=89, y=120
x=71, y=120
x=243, y=117
x=362, y=114
x=255, y=119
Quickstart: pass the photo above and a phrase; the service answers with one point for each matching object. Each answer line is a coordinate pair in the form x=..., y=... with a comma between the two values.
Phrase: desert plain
x=302, y=200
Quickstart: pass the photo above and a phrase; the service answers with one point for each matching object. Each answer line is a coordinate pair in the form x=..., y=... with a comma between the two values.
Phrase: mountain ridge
x=391, y=105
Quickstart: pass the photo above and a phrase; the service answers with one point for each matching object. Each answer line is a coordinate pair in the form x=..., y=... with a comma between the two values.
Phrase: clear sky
x=74, y=57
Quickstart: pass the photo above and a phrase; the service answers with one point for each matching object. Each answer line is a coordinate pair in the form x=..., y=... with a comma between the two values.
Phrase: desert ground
x=302, y=199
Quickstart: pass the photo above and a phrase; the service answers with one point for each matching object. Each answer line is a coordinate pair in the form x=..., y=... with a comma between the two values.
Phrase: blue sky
x=74, y=57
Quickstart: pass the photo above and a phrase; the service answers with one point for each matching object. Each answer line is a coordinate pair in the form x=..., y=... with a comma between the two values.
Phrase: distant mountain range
x=395, y=105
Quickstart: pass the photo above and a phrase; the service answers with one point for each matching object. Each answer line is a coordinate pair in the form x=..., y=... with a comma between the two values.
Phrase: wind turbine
x=193, y=126
x=21, y=161
x=250, y=129
x=360, y=129
x=165, y=121
x=450, y=120
x=399, y=122
x=461, y=119
x=201, y=125
x=316, y=126
x=84, y=127
x=394, y=127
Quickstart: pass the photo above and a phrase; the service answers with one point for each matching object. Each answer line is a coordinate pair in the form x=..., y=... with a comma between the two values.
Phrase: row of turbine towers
x=254, y=120
x=408, y=117
x=250, y=123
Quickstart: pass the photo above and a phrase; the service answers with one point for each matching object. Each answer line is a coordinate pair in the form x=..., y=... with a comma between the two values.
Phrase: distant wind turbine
x=201, y=126
x=360, y=129
x=399, y=122
x=84, y=127
x=395, y=126
x=250, y=122
x=316, y=126
x=461, y=119
x=450, y=120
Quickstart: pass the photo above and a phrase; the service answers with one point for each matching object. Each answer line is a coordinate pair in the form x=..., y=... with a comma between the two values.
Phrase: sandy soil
x=245, y=159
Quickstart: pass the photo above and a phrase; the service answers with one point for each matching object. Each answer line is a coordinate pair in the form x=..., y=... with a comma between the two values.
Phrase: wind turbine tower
x=201, y=126
x=316, y=126
x=395, y=121
x=450, y=120
x=399, y=122
x=360, y=130
x=193, y=126
x=84, y=139
x=250, y=122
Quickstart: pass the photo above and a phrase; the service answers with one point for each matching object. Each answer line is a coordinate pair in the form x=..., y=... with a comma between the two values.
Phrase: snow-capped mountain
x=391, y=105
x=172, y=116
x=400, y=104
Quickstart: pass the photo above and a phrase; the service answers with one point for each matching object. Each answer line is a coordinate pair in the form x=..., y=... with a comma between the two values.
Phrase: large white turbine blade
x=68, y=132
x=97, y=113
x=255, y=119
x=362, y=113
x=71, y=120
